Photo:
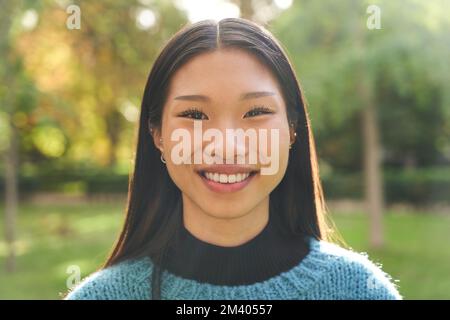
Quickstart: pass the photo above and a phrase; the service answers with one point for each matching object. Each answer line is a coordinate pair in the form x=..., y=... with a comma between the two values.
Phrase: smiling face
x=225, y=89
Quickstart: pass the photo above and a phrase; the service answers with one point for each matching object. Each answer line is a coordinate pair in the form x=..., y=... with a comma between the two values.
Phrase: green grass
x=52, y=238
x=416, y=251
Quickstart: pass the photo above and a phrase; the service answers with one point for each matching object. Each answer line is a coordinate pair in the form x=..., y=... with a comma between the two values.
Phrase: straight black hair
x=154, y=202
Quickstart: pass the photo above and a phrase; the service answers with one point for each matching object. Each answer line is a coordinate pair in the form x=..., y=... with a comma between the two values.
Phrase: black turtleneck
x=267, y=254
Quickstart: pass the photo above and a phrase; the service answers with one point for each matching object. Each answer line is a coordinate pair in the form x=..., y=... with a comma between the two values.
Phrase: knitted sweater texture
x=327, y=272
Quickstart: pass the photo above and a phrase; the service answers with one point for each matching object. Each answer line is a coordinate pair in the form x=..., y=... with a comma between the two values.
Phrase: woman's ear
x=292, y=134
x=156, y=135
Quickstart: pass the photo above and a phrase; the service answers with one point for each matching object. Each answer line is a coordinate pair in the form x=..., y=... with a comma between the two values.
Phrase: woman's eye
x=193, y=114
x=258, y=111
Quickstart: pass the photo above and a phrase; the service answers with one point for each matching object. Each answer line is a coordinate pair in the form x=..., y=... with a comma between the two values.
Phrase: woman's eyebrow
x=244, y=96
x=256, y=94
x=193, y=97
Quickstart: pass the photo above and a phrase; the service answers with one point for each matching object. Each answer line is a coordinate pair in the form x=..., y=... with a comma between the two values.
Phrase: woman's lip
x=226, y=187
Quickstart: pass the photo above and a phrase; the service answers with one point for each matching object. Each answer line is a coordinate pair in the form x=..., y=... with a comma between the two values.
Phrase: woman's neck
x=225, y=231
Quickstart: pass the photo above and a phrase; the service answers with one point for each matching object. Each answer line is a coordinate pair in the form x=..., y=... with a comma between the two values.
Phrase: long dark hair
x=154, y=201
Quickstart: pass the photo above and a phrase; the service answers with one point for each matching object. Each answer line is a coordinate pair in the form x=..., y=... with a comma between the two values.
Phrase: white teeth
x=223, y=178
x=226, y=178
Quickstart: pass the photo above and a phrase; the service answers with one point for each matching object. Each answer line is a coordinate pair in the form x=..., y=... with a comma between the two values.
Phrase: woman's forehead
x=225, y=71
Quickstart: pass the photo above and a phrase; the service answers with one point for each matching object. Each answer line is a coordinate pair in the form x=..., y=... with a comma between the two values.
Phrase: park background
x=375, y=74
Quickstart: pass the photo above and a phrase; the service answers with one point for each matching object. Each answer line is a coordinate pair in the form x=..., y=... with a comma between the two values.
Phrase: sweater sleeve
x=124, y=281
x=365, y=280
x=100, y=285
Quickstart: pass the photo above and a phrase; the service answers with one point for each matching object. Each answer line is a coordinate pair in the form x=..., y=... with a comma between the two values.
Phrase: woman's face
x=226, y=89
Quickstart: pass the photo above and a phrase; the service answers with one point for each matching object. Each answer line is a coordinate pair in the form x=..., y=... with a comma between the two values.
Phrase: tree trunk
x=372, y=169
x=246, y=8
x=11, y=198
x=371, y=143
x=113, y=126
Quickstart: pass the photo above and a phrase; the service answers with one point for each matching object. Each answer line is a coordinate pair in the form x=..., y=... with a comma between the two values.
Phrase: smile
x=228, y=179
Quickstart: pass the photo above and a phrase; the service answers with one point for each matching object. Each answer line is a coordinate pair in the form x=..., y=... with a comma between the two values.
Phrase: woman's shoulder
x=356, y=275
x=125, y=280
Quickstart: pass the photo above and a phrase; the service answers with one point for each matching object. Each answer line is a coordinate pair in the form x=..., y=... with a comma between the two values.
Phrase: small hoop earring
x=162, y=159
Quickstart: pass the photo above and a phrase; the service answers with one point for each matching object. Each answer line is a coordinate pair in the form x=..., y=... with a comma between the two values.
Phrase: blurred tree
x=91, y=79
x=343, y=65
x=11, y=150
x=17, y=100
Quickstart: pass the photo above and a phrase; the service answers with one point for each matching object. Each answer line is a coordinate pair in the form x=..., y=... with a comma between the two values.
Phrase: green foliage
x=71, y=87
x=423, y=186
x=73, y=181
x=417, y=186
x=405, y=63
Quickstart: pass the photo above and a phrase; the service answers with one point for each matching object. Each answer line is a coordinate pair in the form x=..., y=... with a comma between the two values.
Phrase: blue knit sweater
x=327, y=272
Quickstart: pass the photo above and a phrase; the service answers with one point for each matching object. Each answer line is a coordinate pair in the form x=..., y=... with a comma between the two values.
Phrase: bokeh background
x=376, y=76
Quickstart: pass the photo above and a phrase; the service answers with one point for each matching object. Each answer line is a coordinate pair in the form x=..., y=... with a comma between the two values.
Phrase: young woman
x=222, y=226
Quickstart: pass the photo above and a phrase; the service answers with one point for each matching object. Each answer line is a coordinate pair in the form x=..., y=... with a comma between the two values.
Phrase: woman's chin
x=223, y=211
